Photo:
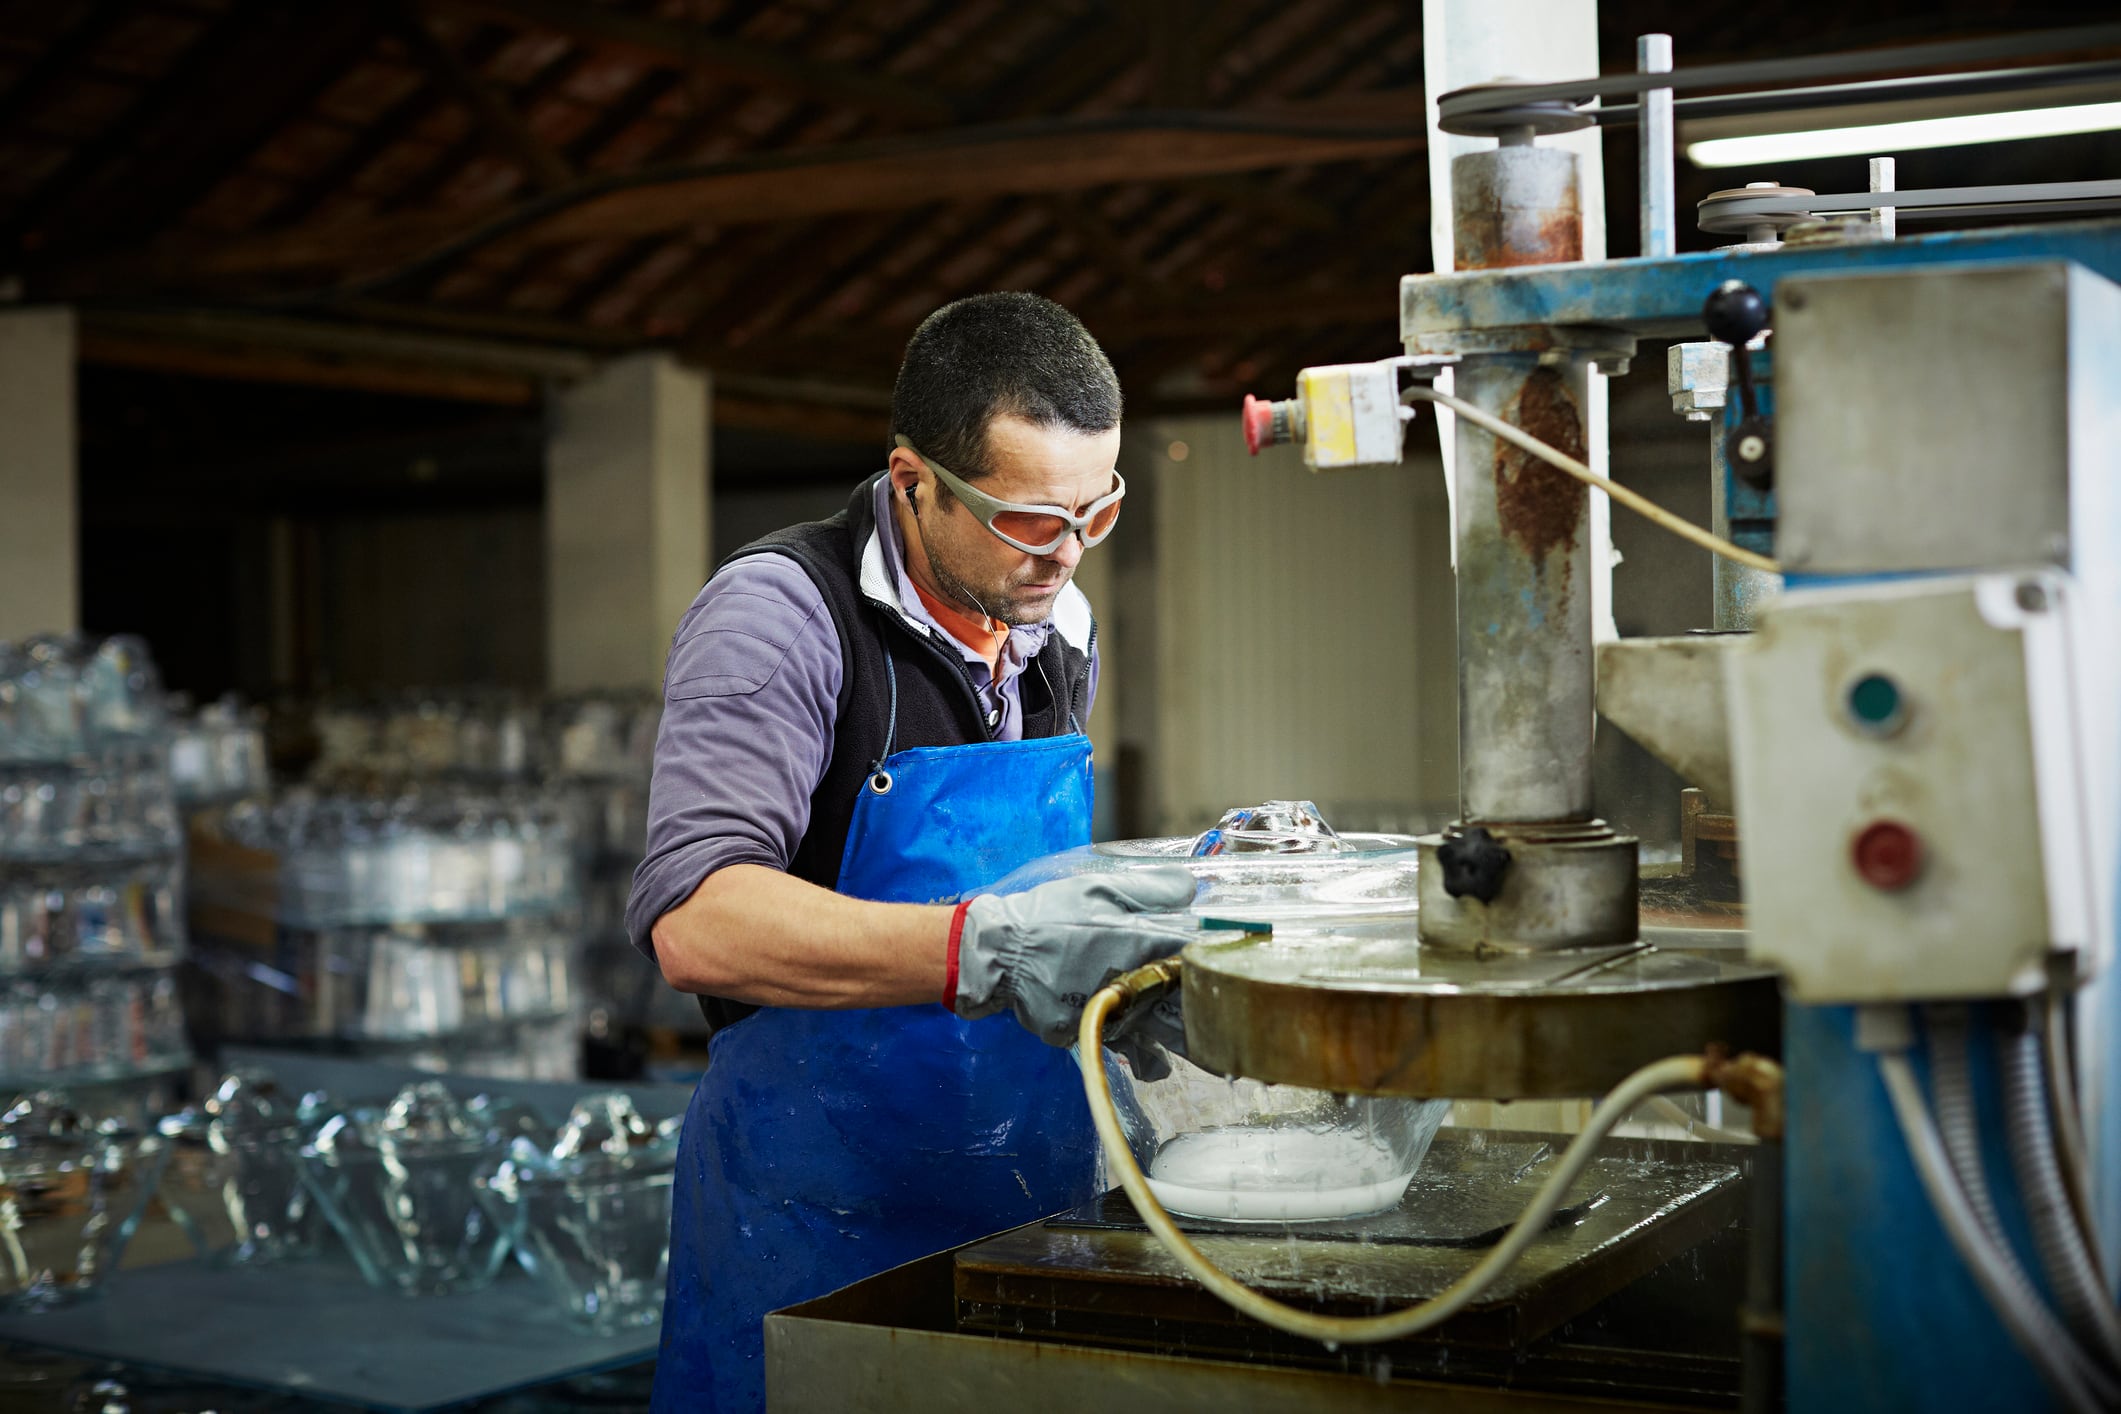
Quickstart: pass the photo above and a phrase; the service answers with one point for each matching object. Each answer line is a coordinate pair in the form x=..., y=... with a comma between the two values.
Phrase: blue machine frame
x=1881, y=1313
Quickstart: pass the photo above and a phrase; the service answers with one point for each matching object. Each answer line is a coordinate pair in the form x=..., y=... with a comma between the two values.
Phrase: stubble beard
x=997, y=601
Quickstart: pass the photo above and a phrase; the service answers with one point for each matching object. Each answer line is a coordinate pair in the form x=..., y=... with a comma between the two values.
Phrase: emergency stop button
x=1887, y=854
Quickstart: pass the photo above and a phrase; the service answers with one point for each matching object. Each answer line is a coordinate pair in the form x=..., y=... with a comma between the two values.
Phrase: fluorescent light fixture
x=1878, y=139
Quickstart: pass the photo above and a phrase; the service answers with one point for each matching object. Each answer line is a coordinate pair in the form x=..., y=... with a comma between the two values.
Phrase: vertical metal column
x=1885, y=218
x=1524, y=595
x=1527, y=865
x=1524, y=601
x=1660, y=199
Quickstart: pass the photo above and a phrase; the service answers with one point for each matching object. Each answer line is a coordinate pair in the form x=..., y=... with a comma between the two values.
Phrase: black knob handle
x=1735, y=313
x=1473, y=865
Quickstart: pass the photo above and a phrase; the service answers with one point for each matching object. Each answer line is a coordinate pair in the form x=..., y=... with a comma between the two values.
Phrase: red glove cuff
x=957, y=933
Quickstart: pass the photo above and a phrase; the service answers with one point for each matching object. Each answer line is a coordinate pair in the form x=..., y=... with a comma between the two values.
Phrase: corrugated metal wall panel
x=1287, y=607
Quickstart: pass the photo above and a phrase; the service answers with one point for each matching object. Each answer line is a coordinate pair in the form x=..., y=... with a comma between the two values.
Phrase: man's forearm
x=756, y=935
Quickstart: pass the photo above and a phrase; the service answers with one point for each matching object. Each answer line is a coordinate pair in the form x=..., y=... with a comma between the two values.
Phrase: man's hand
x=1043, y=952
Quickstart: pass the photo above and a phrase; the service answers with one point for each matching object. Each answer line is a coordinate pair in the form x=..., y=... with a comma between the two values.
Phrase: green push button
x=1876, y=704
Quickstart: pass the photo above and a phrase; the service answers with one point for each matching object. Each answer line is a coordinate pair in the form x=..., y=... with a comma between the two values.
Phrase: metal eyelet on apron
x=881, y=783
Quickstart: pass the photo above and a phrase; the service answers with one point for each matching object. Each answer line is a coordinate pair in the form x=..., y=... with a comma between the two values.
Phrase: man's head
x=1010, y=391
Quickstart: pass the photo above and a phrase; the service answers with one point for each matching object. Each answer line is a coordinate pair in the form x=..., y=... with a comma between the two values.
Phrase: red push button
x=1887, y=855
x=1259, y=423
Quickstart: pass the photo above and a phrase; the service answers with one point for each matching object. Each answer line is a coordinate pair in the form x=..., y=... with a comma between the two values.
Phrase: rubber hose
x=1672, y=1073
x=2059, y=1241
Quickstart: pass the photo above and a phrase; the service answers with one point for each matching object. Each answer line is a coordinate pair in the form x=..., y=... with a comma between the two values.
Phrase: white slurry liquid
x=1276, y=1174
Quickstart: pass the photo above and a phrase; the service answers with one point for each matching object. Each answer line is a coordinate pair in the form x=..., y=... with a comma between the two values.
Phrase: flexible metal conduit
x=1951, y=1083
x=1959, y=1128
x=2065, y=1255
x=2068, y=1119
x=2033, y=1329
x=1674, y=1073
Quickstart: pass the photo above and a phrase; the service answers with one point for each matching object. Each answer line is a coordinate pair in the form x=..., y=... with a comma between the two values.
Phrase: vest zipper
x=964, y=672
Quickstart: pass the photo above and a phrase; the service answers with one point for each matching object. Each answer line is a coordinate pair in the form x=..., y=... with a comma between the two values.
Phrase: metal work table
x=1631, y=1301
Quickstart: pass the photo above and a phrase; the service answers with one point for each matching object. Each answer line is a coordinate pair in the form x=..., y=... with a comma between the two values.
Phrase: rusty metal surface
x=1515, y=206
x=1567, y=886
x=1367, y=1009
x=1524, y=601
x=1122, y=1287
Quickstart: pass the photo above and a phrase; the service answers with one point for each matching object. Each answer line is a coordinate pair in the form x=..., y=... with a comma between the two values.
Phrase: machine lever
x=1473, y=865
x=1735, y=314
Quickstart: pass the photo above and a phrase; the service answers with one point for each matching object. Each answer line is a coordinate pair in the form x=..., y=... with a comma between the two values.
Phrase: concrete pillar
x=40, y=550
x=628, y=464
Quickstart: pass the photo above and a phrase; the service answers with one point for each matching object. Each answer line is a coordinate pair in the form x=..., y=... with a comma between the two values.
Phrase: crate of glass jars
x=91, y=867
x=434, y=926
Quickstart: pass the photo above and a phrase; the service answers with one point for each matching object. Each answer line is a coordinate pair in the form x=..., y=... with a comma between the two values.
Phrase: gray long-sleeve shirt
x=750, y=699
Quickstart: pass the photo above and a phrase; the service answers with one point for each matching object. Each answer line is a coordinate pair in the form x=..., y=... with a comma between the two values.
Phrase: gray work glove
x=1042, y=953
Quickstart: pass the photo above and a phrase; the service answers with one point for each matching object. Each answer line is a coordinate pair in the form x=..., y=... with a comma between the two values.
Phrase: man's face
x=1026, y=463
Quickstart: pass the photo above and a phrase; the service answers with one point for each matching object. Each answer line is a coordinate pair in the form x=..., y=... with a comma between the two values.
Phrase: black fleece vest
x=899, y=688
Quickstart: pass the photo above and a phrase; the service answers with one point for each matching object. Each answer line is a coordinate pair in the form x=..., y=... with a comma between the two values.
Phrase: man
x=866, y=718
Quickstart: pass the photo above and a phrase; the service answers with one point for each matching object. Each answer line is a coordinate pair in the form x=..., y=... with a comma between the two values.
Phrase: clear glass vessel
x=1241, y=1150
x=397, y=1186
x=72, y=1188
x=234, y=1180
x=589, y=1217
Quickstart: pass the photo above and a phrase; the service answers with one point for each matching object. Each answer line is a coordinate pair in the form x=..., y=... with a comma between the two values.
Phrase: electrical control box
x=1352, y=415
x=1916, y=813
x=1947, y=417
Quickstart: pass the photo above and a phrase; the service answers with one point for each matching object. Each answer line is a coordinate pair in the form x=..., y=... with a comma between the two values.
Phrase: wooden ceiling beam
x=288, y=57
x=155, y=106
x=744, y=62
x=1102, y=241
x=57, y=64
x=874, y=349
x=971, y=164
x=492, y=115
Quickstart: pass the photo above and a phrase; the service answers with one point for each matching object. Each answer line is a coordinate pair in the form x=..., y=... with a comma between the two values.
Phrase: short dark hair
x=1006, y=354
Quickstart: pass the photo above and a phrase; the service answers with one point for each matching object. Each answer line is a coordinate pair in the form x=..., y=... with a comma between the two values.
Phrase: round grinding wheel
x=1365, y=1009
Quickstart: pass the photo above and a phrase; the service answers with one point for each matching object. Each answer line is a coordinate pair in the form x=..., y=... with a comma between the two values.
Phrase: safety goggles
x=1035, y=530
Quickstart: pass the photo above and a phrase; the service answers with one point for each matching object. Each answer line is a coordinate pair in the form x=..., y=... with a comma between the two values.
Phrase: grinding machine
x=1905, y=727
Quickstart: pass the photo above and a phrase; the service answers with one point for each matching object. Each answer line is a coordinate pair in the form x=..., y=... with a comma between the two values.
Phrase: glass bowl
x=234, y=1180
x=72, y=1189
x=397, y=1186
x=1278, y=861
x=1239, y=1150
x=589, y=1218
x=1236, y=1150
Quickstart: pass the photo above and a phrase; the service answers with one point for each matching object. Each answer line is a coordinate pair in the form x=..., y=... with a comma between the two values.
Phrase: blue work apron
x=822, y=1147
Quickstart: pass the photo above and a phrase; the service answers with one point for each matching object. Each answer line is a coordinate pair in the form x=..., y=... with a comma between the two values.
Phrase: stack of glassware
x=434, y=927
x=91, y=868
x=217, y=753
x=468, y=734
x=600, y=750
